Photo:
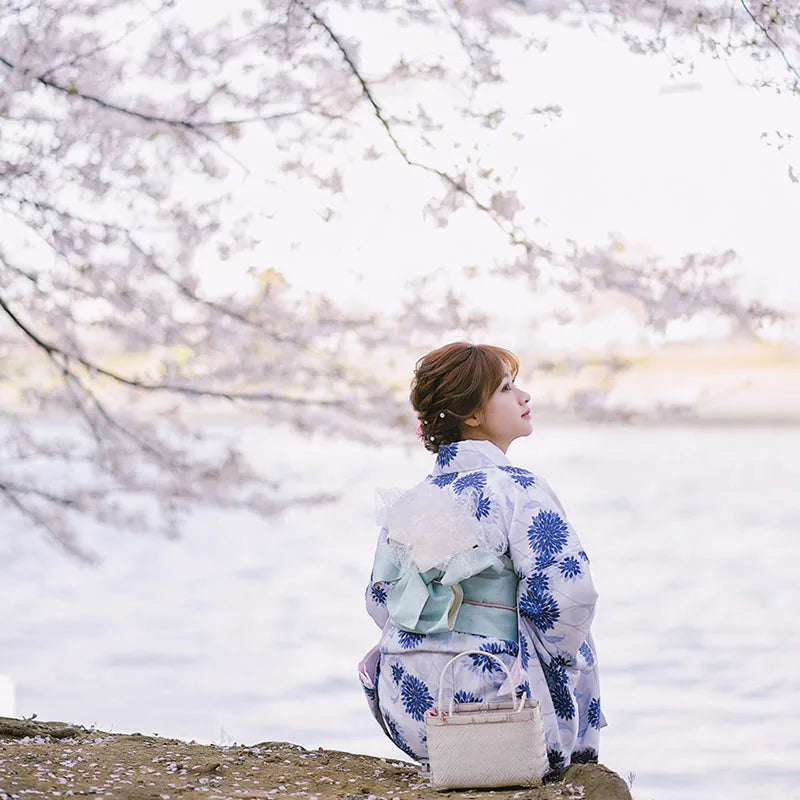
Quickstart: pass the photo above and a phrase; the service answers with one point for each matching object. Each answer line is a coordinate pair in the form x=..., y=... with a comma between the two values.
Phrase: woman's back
x=519, y=537
x=480, y=556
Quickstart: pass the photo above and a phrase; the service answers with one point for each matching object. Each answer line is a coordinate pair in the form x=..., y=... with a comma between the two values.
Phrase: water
x=249, y=630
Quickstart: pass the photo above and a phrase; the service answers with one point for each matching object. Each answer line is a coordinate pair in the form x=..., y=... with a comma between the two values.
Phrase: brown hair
x=452, y=383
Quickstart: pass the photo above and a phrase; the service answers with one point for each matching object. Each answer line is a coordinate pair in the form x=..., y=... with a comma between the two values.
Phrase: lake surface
x=248, y=629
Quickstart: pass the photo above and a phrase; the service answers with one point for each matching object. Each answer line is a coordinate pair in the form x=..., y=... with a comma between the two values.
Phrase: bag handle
x=468, y=653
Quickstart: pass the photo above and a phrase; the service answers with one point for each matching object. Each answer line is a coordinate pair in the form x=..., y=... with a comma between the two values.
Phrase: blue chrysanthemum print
x=445, y=454
x=466, y=697
x=378, y=594
x=523, y=688
x=483, y=507
x=548, y=533
x=397, y=737
x=570, y=568
x=524, y=653
x=539, y=583
x=587, y=654
x=521, y=476
x=541, y=609
x=556, y=759
x=594, y=712
x=472, y=480
x=445, y=479
x=397, y=672
x=368, y=691
x=544, y=561
x=512, y=648
x=487, y=664
x=582, y=554
x=586, y=756
x=409, y=640
x=558, y=684
x=415, y=696
x=564, y=659
x=484, y=664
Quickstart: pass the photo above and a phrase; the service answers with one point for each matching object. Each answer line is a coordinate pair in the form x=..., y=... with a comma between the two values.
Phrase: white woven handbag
x=485, y=745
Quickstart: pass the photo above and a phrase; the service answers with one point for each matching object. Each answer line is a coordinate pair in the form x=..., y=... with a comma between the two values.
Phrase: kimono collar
x=469, y=454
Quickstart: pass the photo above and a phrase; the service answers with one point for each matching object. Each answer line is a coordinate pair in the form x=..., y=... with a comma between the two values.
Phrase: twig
x=52, y=349
x=766, y=33
x=5, y=486
x=196, y=126
x=63, y=538
x=194, y=297
x=455, y=183
x=100, y=47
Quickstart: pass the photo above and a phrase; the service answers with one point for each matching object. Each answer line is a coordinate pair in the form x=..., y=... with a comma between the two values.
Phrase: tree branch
x=68, y=376
x=454, y=183
x=52, y=349
x=46, y=207
x=6, y=486
x=61, y=536
x=766, y=33
x=100, y=47
x=194, y=297
x=196, y=126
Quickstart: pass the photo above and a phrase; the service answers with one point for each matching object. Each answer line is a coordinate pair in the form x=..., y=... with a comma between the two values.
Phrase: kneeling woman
x=480, y=556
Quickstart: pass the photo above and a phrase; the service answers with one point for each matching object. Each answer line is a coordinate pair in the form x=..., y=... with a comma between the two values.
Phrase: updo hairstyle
x=453, y=383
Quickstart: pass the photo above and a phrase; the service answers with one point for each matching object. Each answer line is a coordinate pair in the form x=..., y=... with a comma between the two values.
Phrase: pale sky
x=665, y=166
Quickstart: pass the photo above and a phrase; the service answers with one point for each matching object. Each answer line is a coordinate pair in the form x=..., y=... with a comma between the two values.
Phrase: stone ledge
x=54, y=759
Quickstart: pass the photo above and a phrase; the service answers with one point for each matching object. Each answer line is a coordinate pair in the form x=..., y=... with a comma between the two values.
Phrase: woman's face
x=505, y=417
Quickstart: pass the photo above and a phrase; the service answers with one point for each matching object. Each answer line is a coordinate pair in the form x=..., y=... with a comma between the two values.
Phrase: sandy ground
x=53, y=759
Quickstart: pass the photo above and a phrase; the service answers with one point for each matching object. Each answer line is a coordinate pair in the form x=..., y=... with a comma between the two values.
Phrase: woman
x=480, y=556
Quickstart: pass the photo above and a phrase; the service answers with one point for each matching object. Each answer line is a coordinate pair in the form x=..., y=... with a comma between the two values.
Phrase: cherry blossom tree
x=129, y=132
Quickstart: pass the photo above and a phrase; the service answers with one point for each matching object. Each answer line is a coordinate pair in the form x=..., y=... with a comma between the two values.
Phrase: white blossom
x=125, y=130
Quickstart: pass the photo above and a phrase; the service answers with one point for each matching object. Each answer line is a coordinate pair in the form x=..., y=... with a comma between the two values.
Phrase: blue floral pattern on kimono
x=523, y=520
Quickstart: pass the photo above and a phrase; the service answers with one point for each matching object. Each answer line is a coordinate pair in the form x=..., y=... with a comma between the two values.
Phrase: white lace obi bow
x=428, y=528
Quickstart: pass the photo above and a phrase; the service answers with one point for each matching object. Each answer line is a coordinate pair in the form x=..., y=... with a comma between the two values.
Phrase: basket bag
x=485, y=745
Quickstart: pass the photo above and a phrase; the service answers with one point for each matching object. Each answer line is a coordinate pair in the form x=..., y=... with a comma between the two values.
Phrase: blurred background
x=227, y=236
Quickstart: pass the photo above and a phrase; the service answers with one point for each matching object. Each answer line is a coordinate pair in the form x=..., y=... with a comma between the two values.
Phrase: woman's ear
x=473, y=421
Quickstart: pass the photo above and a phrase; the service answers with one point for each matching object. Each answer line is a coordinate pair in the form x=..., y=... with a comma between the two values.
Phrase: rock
x=19, y=728
x=598, y=782
x=50, y=757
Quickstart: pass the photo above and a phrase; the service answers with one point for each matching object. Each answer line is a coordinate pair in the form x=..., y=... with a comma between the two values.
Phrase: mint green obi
x=476, y=593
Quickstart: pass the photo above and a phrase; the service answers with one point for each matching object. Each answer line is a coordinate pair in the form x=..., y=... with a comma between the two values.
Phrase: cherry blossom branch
x=106, y=45
x=67, y=215
x=458, y=185
x=52, y=349
x=196, y=126
x=70, y=376
x=55, y=527
x=6, y=486
x=187, y=292
x=771, y=39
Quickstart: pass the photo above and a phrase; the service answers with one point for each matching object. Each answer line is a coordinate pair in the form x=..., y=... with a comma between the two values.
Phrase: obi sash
x=475, y=593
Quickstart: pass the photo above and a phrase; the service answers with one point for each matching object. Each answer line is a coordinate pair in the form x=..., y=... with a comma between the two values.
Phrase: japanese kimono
x=480, y=556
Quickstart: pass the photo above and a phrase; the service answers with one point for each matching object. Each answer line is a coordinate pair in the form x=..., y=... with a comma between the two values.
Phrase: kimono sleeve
x=377, y=591
x=556, y=594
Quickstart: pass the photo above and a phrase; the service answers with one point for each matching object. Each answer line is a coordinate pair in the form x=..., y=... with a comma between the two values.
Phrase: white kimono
x=518, y=516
